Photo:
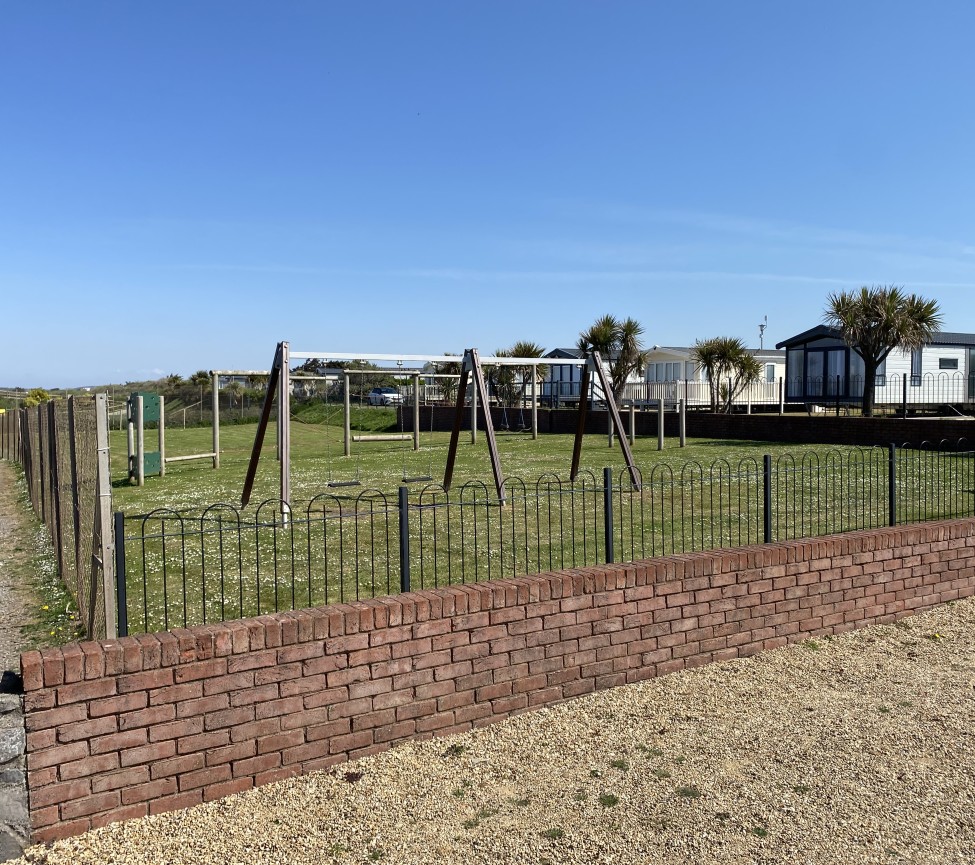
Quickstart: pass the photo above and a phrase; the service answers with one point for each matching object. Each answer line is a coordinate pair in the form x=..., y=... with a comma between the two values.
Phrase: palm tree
x=877, y=319
x=234, y=389
x=448, y=386
x=707, y=355
x=503, y=380
x=619, y=344
x=729, y=367
x=524, y=348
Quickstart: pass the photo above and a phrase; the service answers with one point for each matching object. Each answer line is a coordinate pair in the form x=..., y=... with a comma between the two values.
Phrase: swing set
x=471, y=369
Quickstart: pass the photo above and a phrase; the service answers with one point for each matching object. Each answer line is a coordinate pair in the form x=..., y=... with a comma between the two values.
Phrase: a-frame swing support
x=279, y=384
x=471, y=364
x=594, y=364
x=280, y=362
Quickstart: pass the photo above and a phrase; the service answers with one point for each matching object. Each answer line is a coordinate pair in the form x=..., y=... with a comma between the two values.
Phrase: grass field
x=187, y=564
x=317, y=459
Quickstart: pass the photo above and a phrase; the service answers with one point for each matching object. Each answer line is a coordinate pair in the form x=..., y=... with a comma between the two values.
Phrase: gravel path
x=857, y=749
x=15, y=552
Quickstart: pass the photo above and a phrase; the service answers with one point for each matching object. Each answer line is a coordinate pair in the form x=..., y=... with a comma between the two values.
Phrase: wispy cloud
x=769, y=230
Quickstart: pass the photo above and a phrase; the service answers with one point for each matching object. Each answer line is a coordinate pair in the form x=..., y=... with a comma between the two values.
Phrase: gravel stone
x=854, y=749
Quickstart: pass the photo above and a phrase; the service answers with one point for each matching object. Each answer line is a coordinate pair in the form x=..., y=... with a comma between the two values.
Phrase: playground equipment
x=279, y=388
x=594, y=365
x=142, y=408
x=139, y=408
x=215, y=392
x=471, y=365
x=349, y=437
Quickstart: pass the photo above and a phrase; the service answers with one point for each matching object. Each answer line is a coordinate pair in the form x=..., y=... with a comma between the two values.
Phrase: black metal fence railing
x=895, y=393
x=183, y=568
x=951, y=392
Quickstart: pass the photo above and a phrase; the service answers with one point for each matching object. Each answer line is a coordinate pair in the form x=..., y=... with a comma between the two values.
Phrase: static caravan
x=671, y=375
x=563, y=380
x=820, y=367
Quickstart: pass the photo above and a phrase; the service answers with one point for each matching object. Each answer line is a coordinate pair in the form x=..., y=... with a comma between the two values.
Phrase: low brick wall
x=798, y=427
x=147, y=724
x=826, y=429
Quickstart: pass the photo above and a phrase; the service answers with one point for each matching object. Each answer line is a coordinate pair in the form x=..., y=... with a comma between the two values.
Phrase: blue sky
x=184, y=184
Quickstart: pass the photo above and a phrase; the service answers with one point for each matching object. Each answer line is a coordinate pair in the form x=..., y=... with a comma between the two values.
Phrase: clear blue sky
x=183, y=184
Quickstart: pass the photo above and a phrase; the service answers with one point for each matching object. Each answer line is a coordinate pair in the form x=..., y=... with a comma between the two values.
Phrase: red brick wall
x=826, y=429
x=146, y=724
x=793, y=427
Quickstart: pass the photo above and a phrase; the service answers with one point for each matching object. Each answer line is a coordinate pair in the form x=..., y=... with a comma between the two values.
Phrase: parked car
x=385, y=396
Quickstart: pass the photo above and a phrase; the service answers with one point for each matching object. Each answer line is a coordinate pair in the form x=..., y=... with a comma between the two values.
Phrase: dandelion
x=45, y=607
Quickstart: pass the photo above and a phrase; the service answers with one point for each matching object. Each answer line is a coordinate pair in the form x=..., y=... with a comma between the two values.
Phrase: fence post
x=57, y=529
x=404, y=538
x=904, y=404
x=43, y=459
x=121, y=608
x=781, y=395
x=608, y=513
x=79, y=566
x=140, y=442
x=767, y=496
x=162, y=434
x=892, y=484
x=103, y=510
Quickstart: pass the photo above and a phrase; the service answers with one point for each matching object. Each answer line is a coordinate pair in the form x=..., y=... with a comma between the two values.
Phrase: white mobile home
x=820, y=366
x=672, y=374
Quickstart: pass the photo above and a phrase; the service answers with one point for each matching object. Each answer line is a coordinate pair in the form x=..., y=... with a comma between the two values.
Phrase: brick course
x=146, y=724
x=793, y=427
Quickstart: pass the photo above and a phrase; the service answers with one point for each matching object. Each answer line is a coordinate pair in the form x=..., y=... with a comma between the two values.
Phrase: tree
x=619, y=345
x=448, y=386
x=234, y=390
x=504, y=384
x=729, y=367
x=201, y=378
x=258, y=381
x=35, y=396
x=509, y=383
x=877, y=319
x=523, y=348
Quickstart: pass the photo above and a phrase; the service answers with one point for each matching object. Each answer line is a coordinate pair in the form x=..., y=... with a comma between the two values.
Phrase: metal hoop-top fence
x=183, y=568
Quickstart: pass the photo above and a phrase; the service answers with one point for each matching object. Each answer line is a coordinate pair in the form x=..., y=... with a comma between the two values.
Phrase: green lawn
x=317, y=459
x=341, y=542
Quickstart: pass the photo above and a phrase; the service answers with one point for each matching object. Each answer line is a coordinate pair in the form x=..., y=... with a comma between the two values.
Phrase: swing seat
x=417, y=479
x=344, y=484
